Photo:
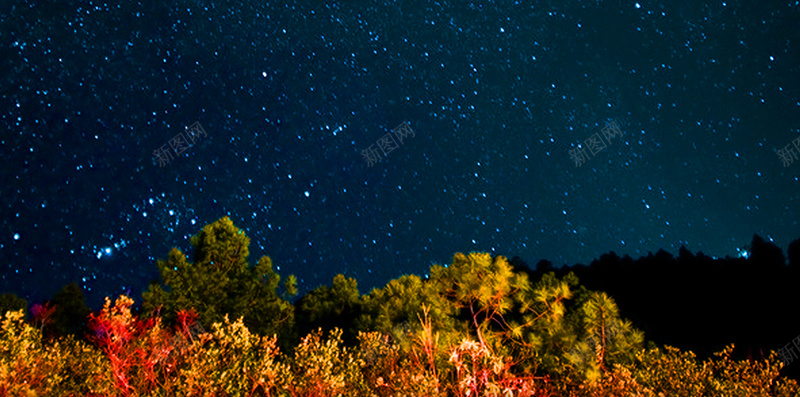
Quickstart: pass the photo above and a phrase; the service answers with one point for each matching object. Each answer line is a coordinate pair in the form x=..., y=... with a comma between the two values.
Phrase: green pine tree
x=337, y=306
x=604, y=339
x=483, y=289
x=220, y=281
x=71, y=312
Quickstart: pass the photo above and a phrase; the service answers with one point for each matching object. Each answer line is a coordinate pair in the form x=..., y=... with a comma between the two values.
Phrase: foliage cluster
x=475, y=327
x=695, y=301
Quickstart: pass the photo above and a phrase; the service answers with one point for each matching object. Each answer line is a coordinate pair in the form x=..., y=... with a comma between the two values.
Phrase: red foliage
x=187, y=319
x=43, y=314
x=136, y=351
x=111, y=334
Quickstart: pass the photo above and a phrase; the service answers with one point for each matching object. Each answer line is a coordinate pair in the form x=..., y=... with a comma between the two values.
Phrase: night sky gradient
x=497, y=94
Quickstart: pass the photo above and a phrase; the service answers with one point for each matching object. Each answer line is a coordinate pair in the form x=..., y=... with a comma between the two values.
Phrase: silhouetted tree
x=794, y=254
x=337, y=306
x=765, y=253
x=71, y=312
x=744, y=300
x=12, y=302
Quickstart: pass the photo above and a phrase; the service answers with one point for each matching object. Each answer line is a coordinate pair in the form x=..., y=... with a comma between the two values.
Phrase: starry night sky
x=496, y=93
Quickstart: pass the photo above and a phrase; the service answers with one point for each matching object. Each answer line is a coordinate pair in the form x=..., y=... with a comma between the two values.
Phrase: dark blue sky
x=497, y=94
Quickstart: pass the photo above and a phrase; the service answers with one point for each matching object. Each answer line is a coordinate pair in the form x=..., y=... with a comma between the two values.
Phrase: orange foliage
x=138, y=351
x=141, y=358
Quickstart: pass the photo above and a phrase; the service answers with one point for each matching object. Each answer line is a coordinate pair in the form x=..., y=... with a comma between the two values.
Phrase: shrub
x=30, y=367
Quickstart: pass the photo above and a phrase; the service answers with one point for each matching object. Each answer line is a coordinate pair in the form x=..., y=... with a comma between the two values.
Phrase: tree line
x=480, y=325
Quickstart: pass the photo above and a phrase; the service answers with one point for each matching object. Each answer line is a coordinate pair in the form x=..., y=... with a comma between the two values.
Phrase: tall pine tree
x=220, y=281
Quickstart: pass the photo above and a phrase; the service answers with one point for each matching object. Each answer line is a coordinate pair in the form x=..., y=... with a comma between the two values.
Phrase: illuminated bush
x=230, y=361
x=324, y=368
x=29, y=367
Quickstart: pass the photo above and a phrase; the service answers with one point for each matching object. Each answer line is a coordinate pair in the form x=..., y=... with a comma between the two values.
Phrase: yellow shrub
x=324, y=368
x=230, y=361
x=677, y=373
x=31, y=367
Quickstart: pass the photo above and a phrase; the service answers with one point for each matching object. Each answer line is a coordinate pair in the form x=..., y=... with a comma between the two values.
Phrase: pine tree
x=540, y=328
x=220, y=281
x=71, y=313
x=604, y=338
x=481, y=287
x=400, y=302
x=327, y=307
